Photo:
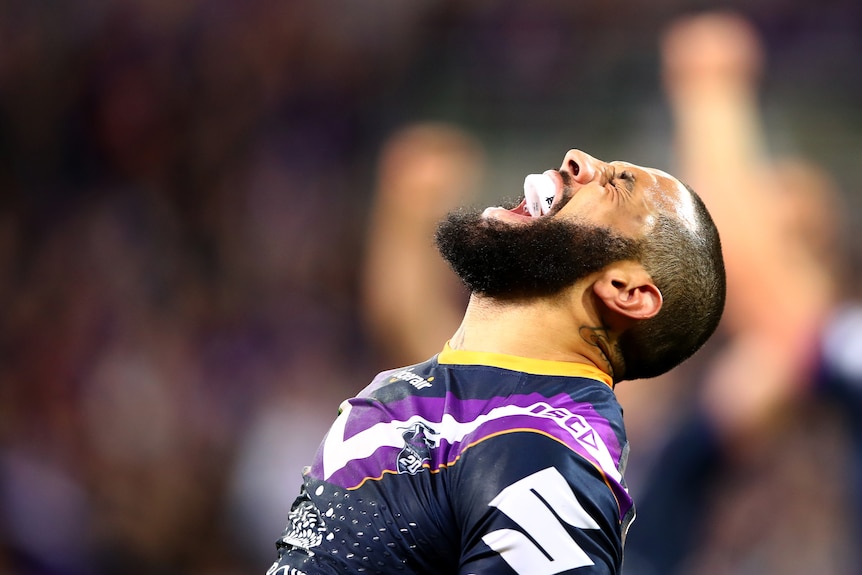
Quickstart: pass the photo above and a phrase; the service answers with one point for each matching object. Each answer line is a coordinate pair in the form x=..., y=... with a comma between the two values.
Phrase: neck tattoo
x=597, y=336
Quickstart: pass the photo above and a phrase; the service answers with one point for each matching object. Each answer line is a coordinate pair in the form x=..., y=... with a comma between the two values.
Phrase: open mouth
x=540, y=195
x=542, y=192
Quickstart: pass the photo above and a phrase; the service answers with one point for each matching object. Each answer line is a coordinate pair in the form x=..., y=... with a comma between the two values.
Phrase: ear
x=627, y=289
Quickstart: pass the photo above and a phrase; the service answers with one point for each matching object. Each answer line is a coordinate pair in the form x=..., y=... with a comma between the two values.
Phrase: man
x=505, y=452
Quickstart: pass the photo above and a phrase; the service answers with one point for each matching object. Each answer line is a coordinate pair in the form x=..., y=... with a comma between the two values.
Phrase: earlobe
x=629, y=291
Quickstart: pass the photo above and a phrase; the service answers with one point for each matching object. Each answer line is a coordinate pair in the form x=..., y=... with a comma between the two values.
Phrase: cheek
x=626, y=222
x=585, y=209
x=628, y=219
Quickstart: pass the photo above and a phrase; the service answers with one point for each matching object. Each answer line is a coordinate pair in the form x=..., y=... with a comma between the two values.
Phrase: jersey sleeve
x=528, y=504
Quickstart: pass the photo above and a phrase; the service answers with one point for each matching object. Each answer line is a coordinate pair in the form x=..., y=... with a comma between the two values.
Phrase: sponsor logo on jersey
x=413, y=379
x=583, y=433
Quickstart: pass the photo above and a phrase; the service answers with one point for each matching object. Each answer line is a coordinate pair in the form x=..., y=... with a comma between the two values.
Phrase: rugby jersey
x=468, y=463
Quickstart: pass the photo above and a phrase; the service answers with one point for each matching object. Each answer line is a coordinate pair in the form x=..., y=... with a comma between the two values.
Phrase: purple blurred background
x=183, y=197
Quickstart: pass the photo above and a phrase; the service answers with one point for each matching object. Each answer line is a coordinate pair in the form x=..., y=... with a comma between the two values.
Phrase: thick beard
x=506, y=261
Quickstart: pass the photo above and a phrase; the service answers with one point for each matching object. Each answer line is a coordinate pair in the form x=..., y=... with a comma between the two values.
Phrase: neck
x=559, y=328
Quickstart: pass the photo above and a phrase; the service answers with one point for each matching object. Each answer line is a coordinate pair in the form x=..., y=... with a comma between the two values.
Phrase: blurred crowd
x=197, y=207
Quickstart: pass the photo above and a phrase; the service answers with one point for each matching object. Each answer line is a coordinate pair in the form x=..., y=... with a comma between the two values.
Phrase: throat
x=536, y=328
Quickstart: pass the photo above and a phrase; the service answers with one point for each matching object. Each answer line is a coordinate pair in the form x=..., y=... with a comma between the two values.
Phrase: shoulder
x=580, y=415
x=580, y=438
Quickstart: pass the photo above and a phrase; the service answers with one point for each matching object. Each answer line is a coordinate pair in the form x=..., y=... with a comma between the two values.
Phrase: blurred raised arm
x=779, y=289
x=412, y=301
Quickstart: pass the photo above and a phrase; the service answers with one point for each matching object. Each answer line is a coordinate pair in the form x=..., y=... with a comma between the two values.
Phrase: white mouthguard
x=539, y=191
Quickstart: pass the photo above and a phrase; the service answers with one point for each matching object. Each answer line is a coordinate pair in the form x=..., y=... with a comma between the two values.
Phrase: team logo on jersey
x=305, y=526
x=277, y=569
x=418, y=440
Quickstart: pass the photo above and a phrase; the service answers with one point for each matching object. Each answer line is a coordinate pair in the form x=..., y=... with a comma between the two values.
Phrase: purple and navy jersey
x=468, y=463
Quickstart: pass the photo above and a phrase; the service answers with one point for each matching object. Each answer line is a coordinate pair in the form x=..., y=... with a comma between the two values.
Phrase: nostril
x=574, y=167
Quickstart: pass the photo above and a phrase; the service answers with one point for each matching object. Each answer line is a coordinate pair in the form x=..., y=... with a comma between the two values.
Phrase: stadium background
x=183, y=197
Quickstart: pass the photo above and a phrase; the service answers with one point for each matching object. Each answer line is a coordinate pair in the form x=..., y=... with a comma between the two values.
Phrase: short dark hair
x=687, y=266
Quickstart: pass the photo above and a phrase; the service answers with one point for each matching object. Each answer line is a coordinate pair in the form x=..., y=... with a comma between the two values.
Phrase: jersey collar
x=525, y=364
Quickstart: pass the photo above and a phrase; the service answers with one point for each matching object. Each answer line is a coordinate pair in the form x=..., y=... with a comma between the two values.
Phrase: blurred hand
x=708, y=48
x=427, y=170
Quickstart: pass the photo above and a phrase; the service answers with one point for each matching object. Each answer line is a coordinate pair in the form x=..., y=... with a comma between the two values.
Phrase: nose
x=582, y=167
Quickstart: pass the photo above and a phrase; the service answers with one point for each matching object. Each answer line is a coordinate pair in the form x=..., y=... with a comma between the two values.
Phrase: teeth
x=539, y=191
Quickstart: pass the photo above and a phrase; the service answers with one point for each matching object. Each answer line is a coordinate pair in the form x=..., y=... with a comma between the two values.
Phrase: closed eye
x=624, y=181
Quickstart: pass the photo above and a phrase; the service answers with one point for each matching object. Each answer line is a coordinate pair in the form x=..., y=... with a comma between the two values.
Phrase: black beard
x=507, y=261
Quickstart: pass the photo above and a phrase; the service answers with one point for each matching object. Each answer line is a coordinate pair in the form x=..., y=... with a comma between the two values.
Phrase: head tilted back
x=686, y=264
